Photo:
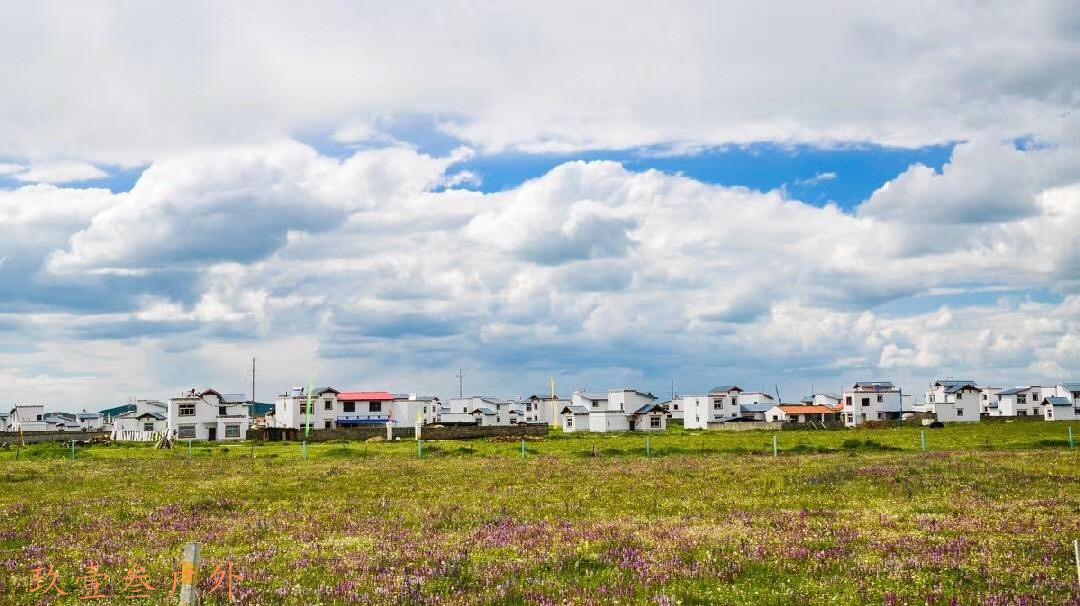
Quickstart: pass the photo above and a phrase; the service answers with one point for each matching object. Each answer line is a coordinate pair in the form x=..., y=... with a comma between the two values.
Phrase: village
x=211, y=415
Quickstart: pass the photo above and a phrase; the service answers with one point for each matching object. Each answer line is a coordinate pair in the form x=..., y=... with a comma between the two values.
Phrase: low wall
x=428, y=432
x=818, y=425
x=36, y=437
x=749, y=426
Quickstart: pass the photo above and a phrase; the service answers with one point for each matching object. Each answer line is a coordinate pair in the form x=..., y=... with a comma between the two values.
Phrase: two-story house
x=1021, y=401
x=720, y=404
x=299, y=407
x=208, y=415
x=871, y=401
x=408, y=408
x=617, y=410
x=148, y=421
x=90, y=421
x=27, y=417
x=1063, y=403
x=955, y=400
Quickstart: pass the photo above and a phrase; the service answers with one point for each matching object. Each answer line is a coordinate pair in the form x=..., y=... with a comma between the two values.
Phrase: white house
x=543, y=409
x=90, y=421
x=366, y=408
x=62, y=421
x=1060, y=408
x=720, y=404
x=208, y=415
x=802, y=413
x=617, y=410
x=491, y=412
x=988, y=400
x=291, y=408
x=459, y=411
x=822, y=399
x=1021, y=401
x=871, y=401
x=954, y=400
x=407, y=408
x=148, y=422
x=675, y=408
x=27, y=417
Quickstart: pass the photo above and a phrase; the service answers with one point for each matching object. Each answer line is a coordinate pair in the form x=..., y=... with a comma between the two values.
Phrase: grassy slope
x=473, y=524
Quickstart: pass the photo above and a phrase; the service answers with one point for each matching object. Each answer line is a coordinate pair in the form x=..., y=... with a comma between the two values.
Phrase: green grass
x=677, y=441
x=841, y=517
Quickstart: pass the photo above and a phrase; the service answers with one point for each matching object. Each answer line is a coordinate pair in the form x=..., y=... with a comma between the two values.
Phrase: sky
x=786, y=196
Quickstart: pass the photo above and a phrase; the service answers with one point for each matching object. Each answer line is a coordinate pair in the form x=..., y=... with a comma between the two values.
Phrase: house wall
x=235, y=421
x=880, y=405
x=467, y=432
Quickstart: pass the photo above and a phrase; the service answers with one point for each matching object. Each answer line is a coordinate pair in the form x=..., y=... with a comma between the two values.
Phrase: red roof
x=371, y=396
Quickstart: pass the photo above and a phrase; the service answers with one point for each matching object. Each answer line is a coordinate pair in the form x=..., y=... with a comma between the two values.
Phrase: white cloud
x=528, y=76
x=59, y=172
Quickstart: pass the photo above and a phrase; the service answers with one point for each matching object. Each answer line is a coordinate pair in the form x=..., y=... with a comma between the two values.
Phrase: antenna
x=460, y=389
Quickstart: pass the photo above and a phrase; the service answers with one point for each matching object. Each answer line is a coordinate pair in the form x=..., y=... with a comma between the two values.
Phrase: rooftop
x=371, y=396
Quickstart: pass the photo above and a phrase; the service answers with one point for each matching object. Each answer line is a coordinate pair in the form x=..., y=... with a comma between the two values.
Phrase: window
x=931, y=399
x=880, y=399
x=654, y=422
x=959, y=412
x=880, y=416
x=186, y=432
x=148, y=426
x=676, y=407
x=326, y=424
x=984, y=396
x=186, y=410
x=569, y=421
x=734, y=400
x=375, y=406
x=847, y=400
x=1021, y=399
x=850, y=418
x=596, y=403
x=232, y=431
x=349, y=406
x=1034, y=396
x=328, y=405
x=39, y=417
x=866, y=401
x=717, y=404
x=222, y=411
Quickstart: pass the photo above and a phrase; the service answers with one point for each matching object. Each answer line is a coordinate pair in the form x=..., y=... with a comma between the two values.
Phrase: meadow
x=986, y=515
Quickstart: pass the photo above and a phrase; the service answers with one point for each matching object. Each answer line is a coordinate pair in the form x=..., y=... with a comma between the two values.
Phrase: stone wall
x=428, y=432
x=747, y=426
x=35, y=437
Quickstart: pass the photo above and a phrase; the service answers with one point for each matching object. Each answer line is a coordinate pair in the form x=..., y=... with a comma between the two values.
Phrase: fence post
x=775, y=449
x=922, y=437
x=189, y=449
x=419, y=449
x=303, y=447
x=189, y=576
x=522, y=449
x=73, y=446
x=1076, y=554
x=1071, y=444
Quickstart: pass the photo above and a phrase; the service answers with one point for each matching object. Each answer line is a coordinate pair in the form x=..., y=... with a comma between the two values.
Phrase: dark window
x=186, y=410
x=326, y=424
x=866, y=401
x=375, y=406
x=222, y=411
x=654, y=422
x=328, y=405
x=148, y=426
x=232, y=431
x=880, y=399
x=349, y=406
x=847, y=400
x=186, y=431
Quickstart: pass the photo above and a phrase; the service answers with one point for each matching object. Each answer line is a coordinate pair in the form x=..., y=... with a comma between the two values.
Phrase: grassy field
x=986, y=516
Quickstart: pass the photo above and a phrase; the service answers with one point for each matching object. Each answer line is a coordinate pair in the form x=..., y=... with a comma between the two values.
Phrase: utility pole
x=253, y=379
x=460, y=389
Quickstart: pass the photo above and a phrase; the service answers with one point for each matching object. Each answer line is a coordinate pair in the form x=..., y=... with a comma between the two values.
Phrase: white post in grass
x=189, y=576
x=775, y=450
x=389, y=431
x=1076, y=554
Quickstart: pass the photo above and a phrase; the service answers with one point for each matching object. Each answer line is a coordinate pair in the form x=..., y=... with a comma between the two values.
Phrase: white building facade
x=208, y=415
x=869, y=401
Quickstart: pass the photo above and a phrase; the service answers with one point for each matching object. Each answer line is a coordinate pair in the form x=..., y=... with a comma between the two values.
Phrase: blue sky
x=846, y=195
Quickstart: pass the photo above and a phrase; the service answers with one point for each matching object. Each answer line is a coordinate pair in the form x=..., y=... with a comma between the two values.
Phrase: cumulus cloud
x=615, y=75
